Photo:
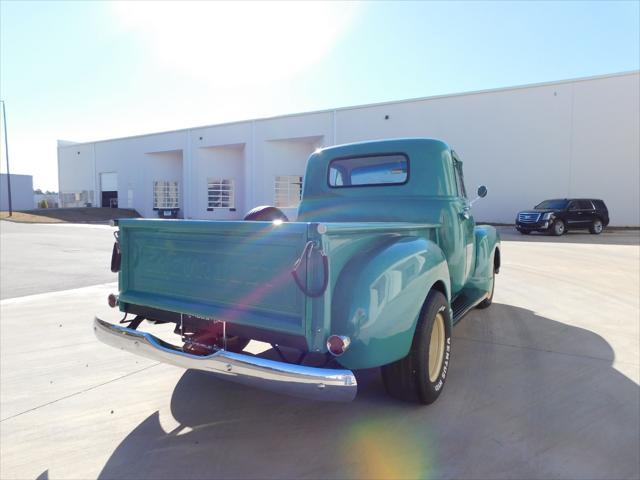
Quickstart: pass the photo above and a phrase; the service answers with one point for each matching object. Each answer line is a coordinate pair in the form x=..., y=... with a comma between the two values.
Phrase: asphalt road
x=544, y=384
x=39, y=258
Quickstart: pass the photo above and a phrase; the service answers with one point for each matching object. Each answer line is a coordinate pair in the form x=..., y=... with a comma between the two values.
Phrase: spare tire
x=265, y=213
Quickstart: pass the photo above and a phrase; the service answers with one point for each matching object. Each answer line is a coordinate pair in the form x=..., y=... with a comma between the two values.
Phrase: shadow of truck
x=527, y=397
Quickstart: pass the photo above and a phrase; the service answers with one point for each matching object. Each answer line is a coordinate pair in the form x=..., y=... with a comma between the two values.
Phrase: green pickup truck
x=382, y=260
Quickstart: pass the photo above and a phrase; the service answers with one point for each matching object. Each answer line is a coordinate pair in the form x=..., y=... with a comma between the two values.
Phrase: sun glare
x=227, y=43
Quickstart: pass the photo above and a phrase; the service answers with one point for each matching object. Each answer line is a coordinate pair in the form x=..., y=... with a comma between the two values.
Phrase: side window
x=573, y=206
x=462, y=192
x=585, y=205
x=599, y=204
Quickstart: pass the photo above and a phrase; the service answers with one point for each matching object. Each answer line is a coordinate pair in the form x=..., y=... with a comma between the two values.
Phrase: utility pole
x=6, y=150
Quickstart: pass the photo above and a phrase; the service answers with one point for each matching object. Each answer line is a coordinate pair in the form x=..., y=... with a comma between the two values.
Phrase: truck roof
x=377, y=146
x=429, y=173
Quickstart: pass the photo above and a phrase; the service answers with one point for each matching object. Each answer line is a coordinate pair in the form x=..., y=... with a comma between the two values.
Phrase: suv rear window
x=389, y=169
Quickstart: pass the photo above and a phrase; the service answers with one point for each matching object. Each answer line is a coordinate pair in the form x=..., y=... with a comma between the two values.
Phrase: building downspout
x=94, y=201
x=186, y=180
x=251, y=190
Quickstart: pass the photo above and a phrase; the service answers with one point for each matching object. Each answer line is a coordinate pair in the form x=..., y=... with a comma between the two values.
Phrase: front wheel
x=558, y=228
x=421, y=374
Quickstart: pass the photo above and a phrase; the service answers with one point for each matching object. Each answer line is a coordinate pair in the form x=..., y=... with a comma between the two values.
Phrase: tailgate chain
x=306, y=253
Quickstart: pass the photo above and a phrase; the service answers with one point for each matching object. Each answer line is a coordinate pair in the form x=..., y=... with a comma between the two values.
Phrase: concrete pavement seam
x=80, y=392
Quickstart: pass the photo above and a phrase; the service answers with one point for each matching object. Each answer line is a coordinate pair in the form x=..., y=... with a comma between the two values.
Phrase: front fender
x=378, y=298
x=487, y=248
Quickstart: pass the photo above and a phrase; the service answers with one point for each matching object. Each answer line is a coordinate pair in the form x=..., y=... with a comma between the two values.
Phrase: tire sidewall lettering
x=439, y=383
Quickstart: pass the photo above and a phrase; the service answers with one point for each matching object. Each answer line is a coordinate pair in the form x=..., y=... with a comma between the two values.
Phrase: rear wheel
x=421, y=374
x=596, y=227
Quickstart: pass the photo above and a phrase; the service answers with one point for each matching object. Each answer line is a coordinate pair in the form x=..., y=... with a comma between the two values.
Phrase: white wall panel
x=223, y=162
x=562, y=139
x=21, y=192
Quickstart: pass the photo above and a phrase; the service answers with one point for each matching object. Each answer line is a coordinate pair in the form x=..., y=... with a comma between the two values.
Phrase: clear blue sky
x=92, y=70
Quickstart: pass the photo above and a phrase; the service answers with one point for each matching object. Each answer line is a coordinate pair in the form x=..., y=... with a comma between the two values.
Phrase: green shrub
x=43, y=204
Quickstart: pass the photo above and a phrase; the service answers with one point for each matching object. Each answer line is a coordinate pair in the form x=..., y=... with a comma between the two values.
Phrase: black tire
x=558, y=228
x=596, y=227
x=487, y=301
x=525, y=232
x=409, y=378
x=265, y=213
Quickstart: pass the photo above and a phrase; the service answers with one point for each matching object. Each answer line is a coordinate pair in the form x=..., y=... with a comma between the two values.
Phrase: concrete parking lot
x=544, y=384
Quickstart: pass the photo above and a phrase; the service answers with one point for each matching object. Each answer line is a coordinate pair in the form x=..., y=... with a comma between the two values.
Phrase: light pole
x=6, y=150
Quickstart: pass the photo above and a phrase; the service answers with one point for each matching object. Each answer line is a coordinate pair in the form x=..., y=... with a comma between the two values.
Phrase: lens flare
x=387, y=448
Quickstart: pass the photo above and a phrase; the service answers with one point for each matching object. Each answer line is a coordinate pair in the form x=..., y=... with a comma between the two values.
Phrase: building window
x=76, y=199
x=288, y=191
x=220, y=194
x=165, y=195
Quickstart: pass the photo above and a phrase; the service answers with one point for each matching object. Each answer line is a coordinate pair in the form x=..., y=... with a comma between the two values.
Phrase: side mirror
x=482, y=192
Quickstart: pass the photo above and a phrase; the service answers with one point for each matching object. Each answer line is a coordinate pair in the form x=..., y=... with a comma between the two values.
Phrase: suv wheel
x=558, y=228
x=596, y=227
x=422, y=373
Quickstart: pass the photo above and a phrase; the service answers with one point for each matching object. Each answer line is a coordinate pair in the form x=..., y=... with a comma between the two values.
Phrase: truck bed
x=236, y=271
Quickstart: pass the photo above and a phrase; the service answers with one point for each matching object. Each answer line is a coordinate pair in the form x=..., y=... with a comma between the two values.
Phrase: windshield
x=552, y=204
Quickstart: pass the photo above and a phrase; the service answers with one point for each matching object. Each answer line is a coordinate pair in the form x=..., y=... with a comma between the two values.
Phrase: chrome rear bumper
x=297, y=380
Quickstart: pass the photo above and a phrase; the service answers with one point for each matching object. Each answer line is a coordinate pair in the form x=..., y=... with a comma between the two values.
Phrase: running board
x=465, y=301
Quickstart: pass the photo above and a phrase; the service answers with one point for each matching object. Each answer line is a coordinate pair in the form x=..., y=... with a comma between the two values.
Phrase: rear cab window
x=369, y=170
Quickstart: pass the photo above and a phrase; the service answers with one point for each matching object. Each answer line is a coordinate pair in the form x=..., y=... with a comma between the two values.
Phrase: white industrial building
x=21, y=192
x=574, y=138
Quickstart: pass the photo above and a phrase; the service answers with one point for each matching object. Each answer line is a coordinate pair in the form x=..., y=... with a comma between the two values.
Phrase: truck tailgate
x=233, y=271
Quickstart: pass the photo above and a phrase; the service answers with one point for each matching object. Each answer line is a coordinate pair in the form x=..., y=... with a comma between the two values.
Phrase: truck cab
x=383, y=258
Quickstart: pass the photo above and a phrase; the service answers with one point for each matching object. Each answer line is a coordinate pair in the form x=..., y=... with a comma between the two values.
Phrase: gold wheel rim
x=436, y=347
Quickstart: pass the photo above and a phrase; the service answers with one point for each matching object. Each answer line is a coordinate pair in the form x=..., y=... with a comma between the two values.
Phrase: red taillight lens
x=337, y=344
x=112, y=300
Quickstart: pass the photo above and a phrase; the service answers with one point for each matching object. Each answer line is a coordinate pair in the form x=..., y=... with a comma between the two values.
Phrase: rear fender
x=378, y=298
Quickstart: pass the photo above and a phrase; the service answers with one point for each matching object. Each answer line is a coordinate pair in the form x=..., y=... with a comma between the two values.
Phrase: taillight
x=338, y=344
x=112, y=300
